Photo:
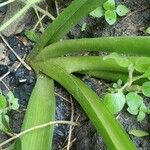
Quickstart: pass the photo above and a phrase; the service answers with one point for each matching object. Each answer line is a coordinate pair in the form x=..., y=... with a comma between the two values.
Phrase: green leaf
x=119, y=82
x=65, y=21
x=141, y=116
x=102, y=119
x=40, y=110
x=114, y=102
x=148, y=30
x=98, y=12
x=32, y=35
x=133, y=111
x=110, y=17
x=109, y=5
x=3, y=102
x=136, y=105
x=147, y=73
x=108, y=44
x=13, y=102
x=121, y=61
x=83, y=28
x=122, y=10
x=115, y=85
x=146, y=88
x=5, y=122
x=142, y=64
x=138, y=133
x=134, y=101
x=2, y=126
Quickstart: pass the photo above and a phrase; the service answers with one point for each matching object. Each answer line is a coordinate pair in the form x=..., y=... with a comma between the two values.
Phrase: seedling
x=110, y=11
x=128, y=93
x=6, y=105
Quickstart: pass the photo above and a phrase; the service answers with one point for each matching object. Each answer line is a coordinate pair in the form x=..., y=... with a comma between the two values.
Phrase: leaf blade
x=90, y=102
x=40, y=110
x=70, y=17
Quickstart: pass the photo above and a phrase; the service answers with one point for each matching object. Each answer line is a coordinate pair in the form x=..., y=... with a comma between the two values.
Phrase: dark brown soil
x=86, y=136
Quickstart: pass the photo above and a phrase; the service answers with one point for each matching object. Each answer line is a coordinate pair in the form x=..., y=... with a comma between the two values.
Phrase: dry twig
x=35, y=128
x=22, y=62
x=70, y=128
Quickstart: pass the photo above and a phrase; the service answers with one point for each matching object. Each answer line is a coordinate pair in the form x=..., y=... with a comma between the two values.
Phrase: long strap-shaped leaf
x=95, y=66
x=41, y=109
x=107, y=75
x=89, y=63
x=128, y=45
x=66, y=20
x=106, y=125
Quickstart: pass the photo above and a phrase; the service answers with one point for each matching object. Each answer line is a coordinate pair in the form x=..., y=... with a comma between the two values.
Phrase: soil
x=86, y=136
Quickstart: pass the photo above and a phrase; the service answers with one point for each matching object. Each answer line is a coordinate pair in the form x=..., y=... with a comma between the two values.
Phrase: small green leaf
x=138, y=133
x=119, y=82
x=147, y=73
x=115, y=85
x=142, y=64
x=146, y=88
x=114, y=102
x=134, y=101
x=32, y=35
x=122, y=10
x=2, y=126
x=109, y=5
x=147, y=111
x=141, y=116
x=15, y=105
x=98, y=12
x=5, y=122
x=144, y=108
x=148, y=30
x=121, y=61
x=110, y=17
x=133, y=111
x=3, y=102
x=13, y=102
x=83, y=27
x=136, y=105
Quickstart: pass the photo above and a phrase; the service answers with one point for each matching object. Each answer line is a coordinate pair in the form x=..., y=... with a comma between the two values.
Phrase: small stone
x=3, y=69
x=12, y=57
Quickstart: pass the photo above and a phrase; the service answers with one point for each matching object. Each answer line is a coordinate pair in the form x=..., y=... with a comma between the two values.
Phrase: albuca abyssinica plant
x=49, y=63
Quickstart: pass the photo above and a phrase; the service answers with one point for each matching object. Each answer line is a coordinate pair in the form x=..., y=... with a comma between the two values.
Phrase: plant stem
x=131, y=79
x=138, y=78
x=15, y=17
x=126, y=45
